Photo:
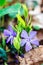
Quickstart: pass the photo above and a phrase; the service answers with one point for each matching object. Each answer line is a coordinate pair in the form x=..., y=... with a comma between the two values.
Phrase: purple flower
x=10, y=33
x=29, y=40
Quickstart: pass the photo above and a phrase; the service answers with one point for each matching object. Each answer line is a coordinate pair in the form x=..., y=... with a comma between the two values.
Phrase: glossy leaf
x=20, y=20
x=25, y=9
x=29, y=25
x=14, y=28
x=19, y=28
x=13, y=10
x=10, y=9
x=28, y=28
x=3, y=42
x=3, y=54
x=12, y=48
x=2, y=2
x=2, y=29
x=19, y=11
x=36, y=27
x=5, y=63
x=9, y=0
x=16, y=42
x=42, y=64
x=35, y=3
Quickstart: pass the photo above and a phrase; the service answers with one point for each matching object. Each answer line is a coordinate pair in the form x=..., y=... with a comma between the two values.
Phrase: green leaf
x=16, y=42
x=2, y=2
x=10, y=9
x=5, y=63
x=14, y=28
x=3, y=43
x=13, y=10
x=20, y=20
x=19, y=28
x=30, y=20
x=29, y=25
x=0, y=45
x=35, y=3
x=41, y=64
x=3, y=54
x=25, y=10
x=9, y=0
x=12, y=49
x=36, y=27
x=2, y=29
x=28, y=28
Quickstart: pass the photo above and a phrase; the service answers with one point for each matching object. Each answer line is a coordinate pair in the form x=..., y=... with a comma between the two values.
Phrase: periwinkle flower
x=10, y=33
x=29, y=40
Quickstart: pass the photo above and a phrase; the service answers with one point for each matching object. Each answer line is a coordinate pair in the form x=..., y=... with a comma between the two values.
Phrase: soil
x=33, y=57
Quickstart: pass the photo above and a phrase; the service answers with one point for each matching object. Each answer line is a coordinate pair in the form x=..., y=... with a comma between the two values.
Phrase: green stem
x=5, y=63
x=8, y=51
x=30, y=20
x=14, y=28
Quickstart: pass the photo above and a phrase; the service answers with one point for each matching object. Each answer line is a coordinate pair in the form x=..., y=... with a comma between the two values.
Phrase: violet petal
x=10, y=29
x=9, y=39
x=7, y=33
x=16, y=61
x=35, y=42
x=32, y=34
x=24, y=34
x=23, y=42
x=14, y=33
x=28, y=47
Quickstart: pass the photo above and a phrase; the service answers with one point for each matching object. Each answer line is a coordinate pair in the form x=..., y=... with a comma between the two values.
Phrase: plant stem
x=5, y=63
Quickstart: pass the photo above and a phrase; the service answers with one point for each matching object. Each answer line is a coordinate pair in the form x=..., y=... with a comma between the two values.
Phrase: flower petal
x=7, y=33
x=32, y=34
x=35, y=42
x=10, y=29
x=14, y=33
x=9, y=39
x=24, y=34
x=23, y=42
x=28, y=47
